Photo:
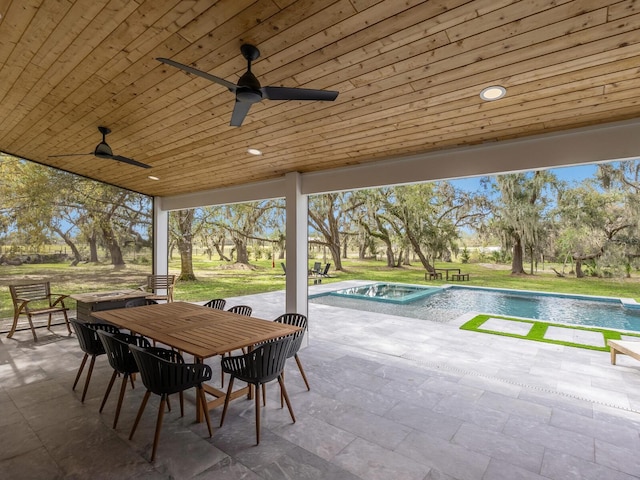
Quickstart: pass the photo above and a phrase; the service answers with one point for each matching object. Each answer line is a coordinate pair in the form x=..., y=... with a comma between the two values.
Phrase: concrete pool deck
x=391, y=397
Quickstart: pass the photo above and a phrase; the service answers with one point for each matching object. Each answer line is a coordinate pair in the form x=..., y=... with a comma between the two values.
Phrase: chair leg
x=108, y=391
x=222, y=375
x=226, y=400
x=82, y=364
x=66, y=320
x=181, y=404
x=33, y=329
x=14, y=325
x=205, y=409
x=286, y=397
x=281, y=395
x=49, y=322
x=264, y=395
x=123, y=388
x=304, y=377
x=257, y=415
x=88, y=379
x=140, y=410
x=156, y=437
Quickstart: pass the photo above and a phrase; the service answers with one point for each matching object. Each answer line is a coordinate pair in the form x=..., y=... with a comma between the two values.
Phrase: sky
x=569, y=174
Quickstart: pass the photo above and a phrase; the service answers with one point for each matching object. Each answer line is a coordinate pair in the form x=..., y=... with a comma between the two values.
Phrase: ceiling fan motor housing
x=103, y=151
x=248, y=88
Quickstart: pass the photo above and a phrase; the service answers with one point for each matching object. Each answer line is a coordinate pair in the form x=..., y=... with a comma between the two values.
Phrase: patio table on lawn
x=199, y=331
x=447, y=271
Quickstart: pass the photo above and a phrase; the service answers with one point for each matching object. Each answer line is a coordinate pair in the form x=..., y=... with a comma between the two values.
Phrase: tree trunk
x=418, y=251
x=579, y=272
x=93, y=249
x=186, y=264
x=111, y=242
x=391, y=256
x=184, y=242
x=219, y=246
x=67, y=239
x=242, y=255
x=400, y=259
x=335, y=254
x=516, y=263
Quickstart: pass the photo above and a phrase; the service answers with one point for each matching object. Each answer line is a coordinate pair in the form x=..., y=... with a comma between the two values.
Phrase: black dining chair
x=297, y=320
x=245, y=310
x=241, y=310
x=163, y=377
x=116, y=345
x=258, y=367
x=121, y=360
x=216, y=303
x=139, y=302
x=91, y=346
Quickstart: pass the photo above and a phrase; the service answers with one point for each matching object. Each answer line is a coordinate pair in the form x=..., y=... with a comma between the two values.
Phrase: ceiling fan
x=248, y=90
x=103, y=150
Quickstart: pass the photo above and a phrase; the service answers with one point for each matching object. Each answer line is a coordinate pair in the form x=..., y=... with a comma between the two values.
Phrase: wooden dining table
x=199, y=331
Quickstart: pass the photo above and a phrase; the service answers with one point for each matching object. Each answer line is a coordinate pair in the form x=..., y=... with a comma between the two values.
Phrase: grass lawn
x=217, y=279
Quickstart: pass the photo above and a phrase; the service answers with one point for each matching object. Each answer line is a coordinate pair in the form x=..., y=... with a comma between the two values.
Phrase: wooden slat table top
x=200, y=331
x=108, y=296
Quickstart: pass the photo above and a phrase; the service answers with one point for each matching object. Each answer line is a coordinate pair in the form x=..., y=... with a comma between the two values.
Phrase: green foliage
x=216, y=278
x=538, y=330
x=465, y=255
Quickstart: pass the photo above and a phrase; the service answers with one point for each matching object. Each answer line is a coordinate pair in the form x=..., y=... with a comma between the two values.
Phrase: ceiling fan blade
x=286, y=93
x=130, y=161
x=240, y=111
x=200, y=73
x=71, y=155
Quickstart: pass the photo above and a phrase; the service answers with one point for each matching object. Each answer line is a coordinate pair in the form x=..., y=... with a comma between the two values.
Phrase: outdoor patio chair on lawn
x=36, y=299
x=325, y=273
x=317, y=269
x=262, y=365
x=164, y=378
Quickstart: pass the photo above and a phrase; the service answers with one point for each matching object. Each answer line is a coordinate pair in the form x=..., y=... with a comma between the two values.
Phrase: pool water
x=444, y=304
x=386, y=292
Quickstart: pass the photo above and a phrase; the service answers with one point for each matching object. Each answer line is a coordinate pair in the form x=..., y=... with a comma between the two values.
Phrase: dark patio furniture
x=460, y=276
x=325, y=272
x=262, y=365
x=216, y=303
x=116, y=346
x=297, y=320
x=163, y=377
x=91, y=346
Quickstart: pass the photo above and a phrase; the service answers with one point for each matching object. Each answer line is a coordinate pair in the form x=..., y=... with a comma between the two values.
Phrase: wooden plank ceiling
x=409, y=75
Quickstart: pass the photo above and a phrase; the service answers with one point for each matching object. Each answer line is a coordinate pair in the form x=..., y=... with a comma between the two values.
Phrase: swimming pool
x=449, y=302
x=387, y=292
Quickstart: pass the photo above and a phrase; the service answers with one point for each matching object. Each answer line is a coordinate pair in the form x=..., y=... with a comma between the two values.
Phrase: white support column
x=296, y=244
x=160, y=238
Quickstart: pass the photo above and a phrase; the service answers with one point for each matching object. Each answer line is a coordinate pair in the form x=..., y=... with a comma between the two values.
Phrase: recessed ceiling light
x=254, y=151
x=493, y=92
x=152, y=177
